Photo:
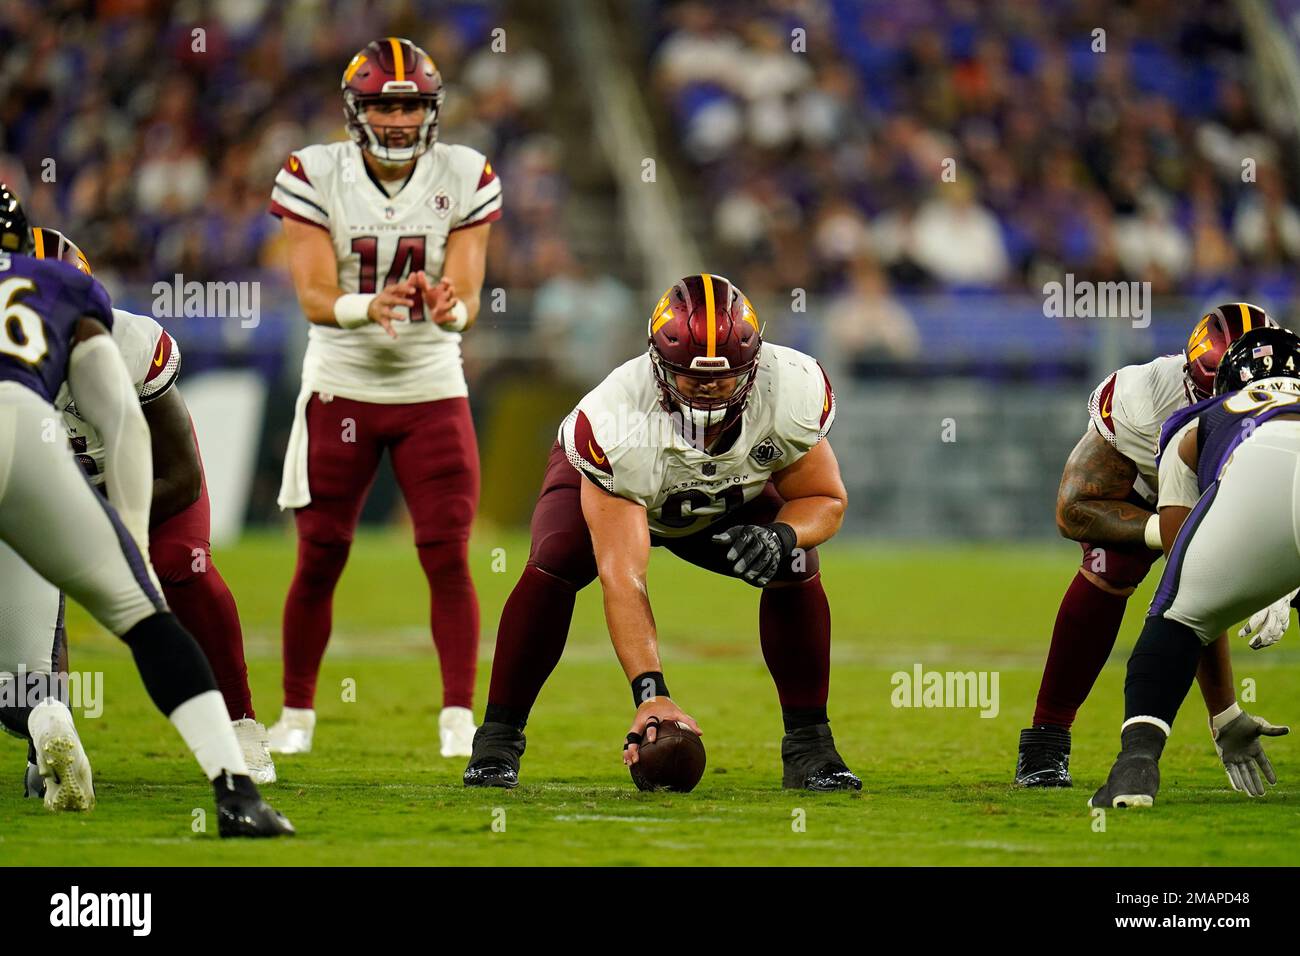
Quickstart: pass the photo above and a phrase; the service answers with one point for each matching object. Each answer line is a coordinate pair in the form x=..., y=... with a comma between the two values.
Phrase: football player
x=179, y=523
x=1229, y=510
x=1106, y=502
x=713, y=446
x=370, y=223
x=55, y=329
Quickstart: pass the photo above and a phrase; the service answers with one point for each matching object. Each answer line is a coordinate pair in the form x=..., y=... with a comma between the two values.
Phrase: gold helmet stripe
x=1245, y=316
x=712, y=340
x=39, y=236
x=397, y=58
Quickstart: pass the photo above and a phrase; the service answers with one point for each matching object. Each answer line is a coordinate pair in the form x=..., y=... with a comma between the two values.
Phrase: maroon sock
x=308, y=617
x=453, y=618
x=794, y=626
x=530, y=640
x=1086, y=627
x=205, y=607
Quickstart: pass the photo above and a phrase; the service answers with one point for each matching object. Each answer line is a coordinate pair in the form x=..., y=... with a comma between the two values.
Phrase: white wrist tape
x=461, y=315
x=352, y=309
x=1152, y=534
x=1219, y=721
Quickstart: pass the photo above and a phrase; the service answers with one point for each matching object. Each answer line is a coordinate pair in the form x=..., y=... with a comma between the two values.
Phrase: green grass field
x=937, y=781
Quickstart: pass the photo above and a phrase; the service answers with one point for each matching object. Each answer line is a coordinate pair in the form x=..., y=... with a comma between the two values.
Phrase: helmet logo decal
x=663, y=313
x=1200, y=342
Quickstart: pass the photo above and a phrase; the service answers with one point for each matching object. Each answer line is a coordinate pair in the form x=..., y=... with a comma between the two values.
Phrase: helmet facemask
x=377, y=137
x=703, y=413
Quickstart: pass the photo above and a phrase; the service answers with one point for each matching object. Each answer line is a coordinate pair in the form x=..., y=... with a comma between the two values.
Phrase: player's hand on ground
x=439, y=298
x=648, y=716
x=1239, y=747
x=384, y=306
x=1266, y=627
x=756, y=550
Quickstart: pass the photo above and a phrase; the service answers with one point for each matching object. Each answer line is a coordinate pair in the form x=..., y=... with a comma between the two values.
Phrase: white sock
x=205, y=725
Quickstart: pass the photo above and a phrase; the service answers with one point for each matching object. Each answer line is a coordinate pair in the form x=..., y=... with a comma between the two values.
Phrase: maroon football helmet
x=389, y=69
x=52, y=244
x=1218, y=329
x=704, y=328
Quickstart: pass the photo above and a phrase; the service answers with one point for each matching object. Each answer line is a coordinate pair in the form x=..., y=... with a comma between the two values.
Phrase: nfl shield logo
x=389, y=212
x=710, y=469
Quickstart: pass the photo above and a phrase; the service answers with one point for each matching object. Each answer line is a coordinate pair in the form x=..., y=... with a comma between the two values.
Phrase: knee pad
x=1120, y=567
x=445, y=559
x=321, y=563
x=176, y=562
x=565, y=555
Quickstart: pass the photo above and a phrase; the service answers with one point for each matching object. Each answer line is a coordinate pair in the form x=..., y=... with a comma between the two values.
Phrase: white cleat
x=456, y=730
x=60, y=758
x=255, y=742
x=291, y=734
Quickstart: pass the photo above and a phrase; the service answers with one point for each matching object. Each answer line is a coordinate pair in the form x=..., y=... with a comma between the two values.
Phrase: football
x=674, y=760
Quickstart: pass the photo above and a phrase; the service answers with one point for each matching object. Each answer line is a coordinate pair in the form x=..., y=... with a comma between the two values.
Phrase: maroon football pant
x=435, y=457
x=794, y=616
x=196, y=593
x=1087, y=625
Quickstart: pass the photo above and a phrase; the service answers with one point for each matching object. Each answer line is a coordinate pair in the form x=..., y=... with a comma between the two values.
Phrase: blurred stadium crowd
x=1125, y=164
x=819, y=168
x=164, y=143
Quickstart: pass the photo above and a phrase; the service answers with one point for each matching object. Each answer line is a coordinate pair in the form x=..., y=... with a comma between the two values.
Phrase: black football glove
x=757, y=550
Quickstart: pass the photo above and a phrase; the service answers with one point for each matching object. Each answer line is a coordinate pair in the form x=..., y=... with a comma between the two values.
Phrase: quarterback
x=713, y=446
x=34, y=642
x=1106, y=502
x=368, y=222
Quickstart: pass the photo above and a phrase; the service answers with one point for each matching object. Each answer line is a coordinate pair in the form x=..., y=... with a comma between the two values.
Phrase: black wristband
x=647, y=685
x=787, y=535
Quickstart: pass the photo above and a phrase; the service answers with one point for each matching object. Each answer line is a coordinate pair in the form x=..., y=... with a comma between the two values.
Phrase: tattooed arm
x=1090, y=504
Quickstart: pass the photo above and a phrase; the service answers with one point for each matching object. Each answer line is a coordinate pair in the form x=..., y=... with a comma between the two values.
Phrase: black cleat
x=495, y=760
x=1134, y=780
x=241, y=811
x=33, y=783
x=1044, y=759
x=812, y=763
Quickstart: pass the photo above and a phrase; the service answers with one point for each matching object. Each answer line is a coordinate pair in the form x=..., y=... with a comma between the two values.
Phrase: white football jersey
x=1129, y=407
x=378, y=239
x=152, y=360
x=620, y=437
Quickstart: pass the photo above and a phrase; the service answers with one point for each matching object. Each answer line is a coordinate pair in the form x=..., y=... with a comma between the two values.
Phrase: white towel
x=294, y=489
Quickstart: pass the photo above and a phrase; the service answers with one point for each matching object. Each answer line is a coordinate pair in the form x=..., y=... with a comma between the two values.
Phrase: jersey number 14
x=409, y=257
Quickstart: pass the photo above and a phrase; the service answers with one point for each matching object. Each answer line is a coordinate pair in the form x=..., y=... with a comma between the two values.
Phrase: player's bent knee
x=177, y=562
x=567, y=556
x=1103, y=585
x=1117, y=570
x=802, y=566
